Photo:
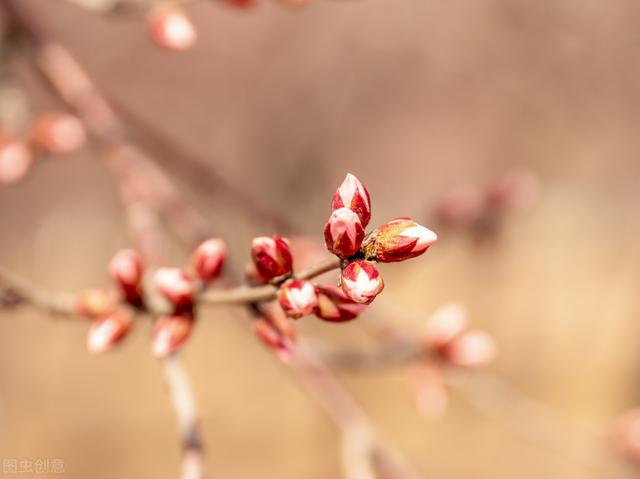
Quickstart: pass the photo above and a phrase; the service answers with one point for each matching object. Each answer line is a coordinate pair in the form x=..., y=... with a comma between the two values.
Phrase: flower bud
x=169, y=27
x=175, y=285
x=445, y=324
x=361, y=281
x=335, y=306
x=58, y=133
x=276, y=331
x=343, y=233
x=94, y=302
x=297, y=298
x=15, y=159
x=208, y=259
x=272, y=256
x=109, y=329
x=471, y=349
x=353, y=195
x=398, y=240
x=170, y=333
x=126, y=269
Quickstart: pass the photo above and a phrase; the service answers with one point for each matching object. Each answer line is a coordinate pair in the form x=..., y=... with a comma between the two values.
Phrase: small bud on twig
x=108, y=330
x=353, y=195
x=126, y=269
x=208, y=259
x=272, y=256
x=343, y=233
x=361, y=281
x=170, y=333
x=175, y=285
x=94, y=302
x=398, y=240
x=335, y=306
x=58, y=133
x=169, y=27
x=297, y=298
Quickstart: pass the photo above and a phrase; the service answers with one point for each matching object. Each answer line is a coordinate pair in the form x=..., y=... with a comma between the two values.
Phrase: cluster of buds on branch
x=169, y=26
x=50, y=134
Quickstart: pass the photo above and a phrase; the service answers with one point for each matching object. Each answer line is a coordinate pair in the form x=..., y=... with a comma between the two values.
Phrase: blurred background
x=415, y=97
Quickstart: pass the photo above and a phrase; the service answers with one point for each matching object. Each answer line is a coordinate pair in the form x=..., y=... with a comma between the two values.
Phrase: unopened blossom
x=297, y=298
x=175, y=285
x=58, y=133
x=170, y=333
x=471, y=349
x=398, y=240
x=15, y=159
x=169, y=27
x=126, y=269
x=208, y=259
x=343, y=233
x=109, y=329
x=271, y=256
x=94, y=302
x=361, y=281
x=276, y=331
x=335, y=306
x=448, y=322
x=353, y=195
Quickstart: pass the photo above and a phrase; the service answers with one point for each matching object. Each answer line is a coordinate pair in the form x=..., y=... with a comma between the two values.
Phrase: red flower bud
x=126, y=269
x=58, y=133
x=169, y=27
x=208, y=259
x=448, y=322
x=353, y=195
x=175, y=285
x=398, y=240
x=272, y=256
x=109, y=329
x=15, y=159
x=335, y=306
x=276, y=332
x=170, y=333
x=94, y=302
x=471, y=349
x=297, y=298
x=361, y=281
x=343, y=233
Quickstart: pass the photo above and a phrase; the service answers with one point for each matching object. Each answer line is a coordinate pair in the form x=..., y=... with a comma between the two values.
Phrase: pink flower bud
x=169, y=27
x=15, y=159
x=208, y=259
x=353, y=195
x=108, y=330
x=343, y=233
x=276, y=331
x=58, y=133
x=398, y=240
x=448, y=322
x=297, y=298
x=175, y=285
x=272, y=256
x=94, y=302
x=471, y=349
x=126, y=269
x=170, y=333
x=361, y=281
x=335, y=306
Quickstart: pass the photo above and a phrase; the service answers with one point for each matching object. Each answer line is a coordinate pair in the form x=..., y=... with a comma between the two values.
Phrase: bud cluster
x=51, y=134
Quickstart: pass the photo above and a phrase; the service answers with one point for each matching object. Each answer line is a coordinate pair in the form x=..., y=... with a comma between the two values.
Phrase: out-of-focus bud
x=461, y=207
x=276, y=331
x=429, y=389
x=471, y=349
x=58, y=133
x=343, y=233
x=170, y=333
x=353, y=195
x=627, y=435
x=109, y=329
x=15, y=159
x=208, y=259
x=169, y=27
x=94, y=302
x=175, y=285
x=361, y=281
x=398, y=240
x=271, y=256
x=335, y=306
x=126, y=269
x=448, y=322
x=515, y=191
x=297, y=298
